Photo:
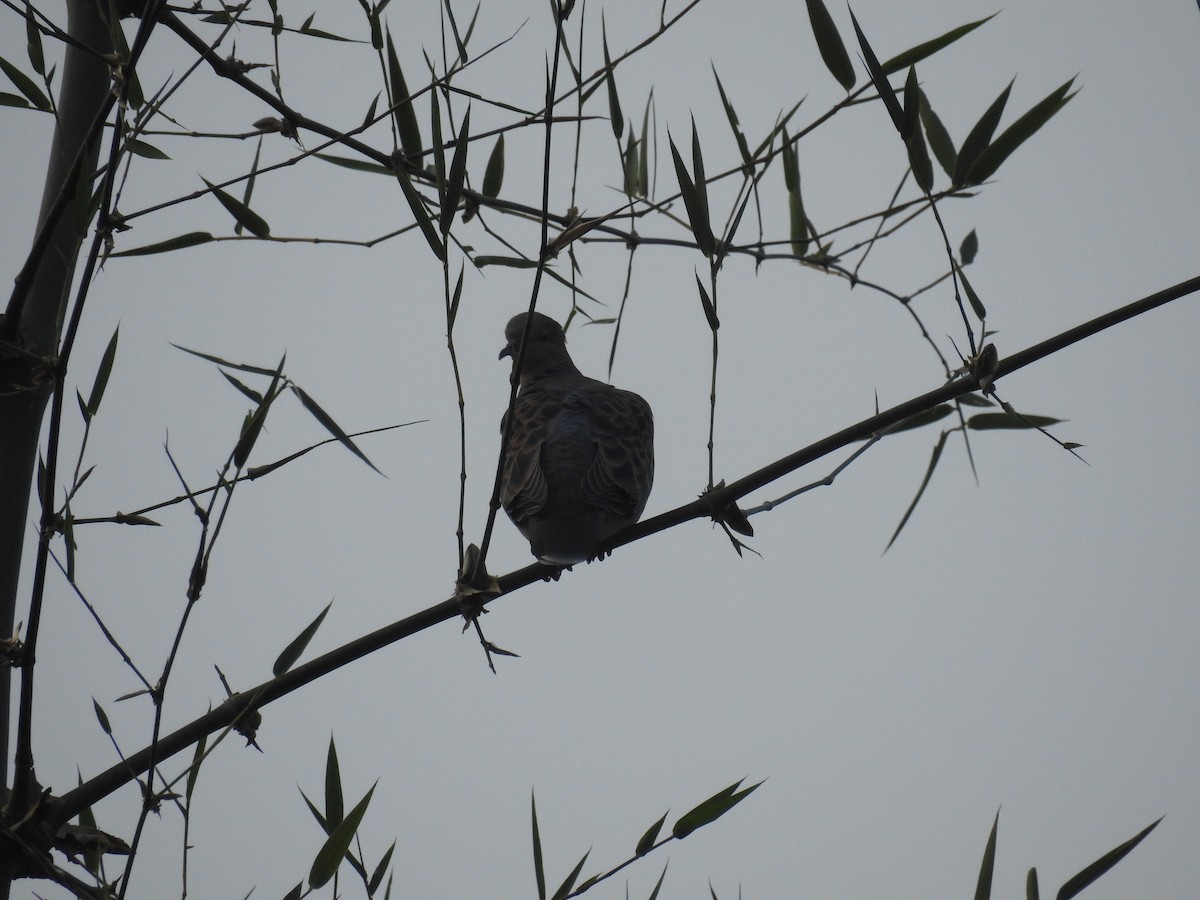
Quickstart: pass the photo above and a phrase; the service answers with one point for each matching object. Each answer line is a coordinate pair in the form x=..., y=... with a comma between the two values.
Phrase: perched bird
x=580, y=459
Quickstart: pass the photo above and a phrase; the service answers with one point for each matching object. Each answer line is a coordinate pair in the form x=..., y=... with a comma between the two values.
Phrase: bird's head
x=545, y=349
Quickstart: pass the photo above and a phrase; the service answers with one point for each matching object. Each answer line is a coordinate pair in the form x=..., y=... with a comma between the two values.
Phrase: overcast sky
x=1028, y=645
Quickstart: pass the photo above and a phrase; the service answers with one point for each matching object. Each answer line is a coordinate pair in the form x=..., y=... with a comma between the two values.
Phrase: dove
x=580, y=459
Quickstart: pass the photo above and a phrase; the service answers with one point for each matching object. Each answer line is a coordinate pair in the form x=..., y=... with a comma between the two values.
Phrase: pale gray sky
x=1027, y=645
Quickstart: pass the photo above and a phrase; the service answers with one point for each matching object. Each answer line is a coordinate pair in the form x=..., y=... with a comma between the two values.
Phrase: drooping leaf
x=420, y=214
x=33, y=41
x=991, y=158
x=404, y=114
x=357, y=164
x=734, y=125
x=939, y=138
x=244, y=215
x=1089, y=874
x=330, y=856
x=191, y=239
x=241, y=367
x=973, y=298
x=253, y=425
x=439, y=147
x=26, y=86
x=296, y=648
x=968, y=248
x=933, y=461
x=493, y=176
x=330, y=425
x=979, y=138
x=144, y=150
x=902, y=61
x=879, y=78
x=710, y=311
x=1002, y=420
x=829, y=42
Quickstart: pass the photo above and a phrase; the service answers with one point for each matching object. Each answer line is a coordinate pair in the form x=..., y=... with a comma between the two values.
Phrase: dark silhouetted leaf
x=334, y=810
x=191, y=239
x=933, y=461
x=939, y=139
x=903, y=60
x=255, y=421
x=983, y=887
x=293, y=651
x=921, y=419
x=972, y=297
x=879, y=78
x=696, y=209
x=357, y=164
x=26, y=86
x=1078, y=882
x=101, y=717
x=647, y=840
x=1031, y=886
x=244, y=215
x=102, y=373
x=380, y=871
x=194, y=769
x=734, y=125
x=538, y=869
x=457, y=177
x=829, y=42
x=141, y=148
x=990, y=421
x=711, y=809
x=968, y=248
x=405, y=116
x=981, y=135
x=710, y=311
x=493, y=177
x=329, y=425
x=420, y=214
x=614, y=102
x=990, y=159
x=569, y=881
x=330, y=856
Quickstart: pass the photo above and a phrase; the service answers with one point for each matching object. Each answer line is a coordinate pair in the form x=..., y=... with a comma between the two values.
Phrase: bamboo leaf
x=879, y=78
x=939, y=138
x=696, y=209
x=330, y=425
x=439, y=147
x=420, y=214
x=357, y=164
x=509, y=262
x=569, y=882
x=404, y=114
x=991, y=158
x=710, y=311
x=933, y=461
x=253, y=425
x=921, y=419
x=647, y=840
x=1003, y=420
x=915, y=54
x=293, y=651
x=979, y=138
x=102, y=373
x=241, y=367
x=829, y=42
x=983, y=887
x=194, y=769
x=144, y=150
x=493, y=176
x=734, y=125
x=1089, y=874
x=380, y=871
x=330, y=856
x=711, y=809
x=244, y=215
x=33, y=41
x=457, y=177
x=614, y=102
x=918, y=161
x=972, y=297
x=191, y=239
x=538, y=870
x=26, y=86
x=334, y=810
x=1031, y=886
x=968, y=248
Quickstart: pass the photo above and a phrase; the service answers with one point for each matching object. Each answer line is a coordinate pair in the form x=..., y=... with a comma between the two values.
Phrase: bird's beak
x=507, y=351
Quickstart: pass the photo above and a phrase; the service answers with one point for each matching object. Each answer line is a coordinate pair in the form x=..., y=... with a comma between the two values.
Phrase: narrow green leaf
x=316, y=814
x=791, y=164
x=33, y=41
x=439, y=147
x=101, y=380
x=452, y=313
x=879, y=78
x=369, y=118
x=331, y=426
x=798, y=224
x=244, y=389
x=990, y=159
x=711, y=809
x=979, y=138
x=983, y=887
x=330, y=856
x=295, y=893
x=912, y=104
x=493, y=176
x=644, y=149
x=918, y=161
x=647, y=841
x=191, y=239
x=405, y=116
x=7, y=99
x=614, y=102
x=68, y=527
x=968, y=248
x=1002, y=420
x=933, y=461
x=710, y=311
x=141, y=148
x=658, y=884
x=1031, y=886
x=921, y=419
x=194, y=768
x=245, y=216
x=509, y=262
x=1089, y=874
x=253, y=425
x=92, y=856
x=457, y=177
x=26, y=86
x=915, y=54
x=734, y=125
x=241, y=367
x=538, y=869
x=701, y=179
x=380, y=871
x=334, y=810
x=102, y=717
x=692, y=203
x=939, y=138
x=357, y=164
x=83, y=410
x=629, y=167
x=829, y=42
x=420, y=214
x=569, y=882
x=293, y=650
